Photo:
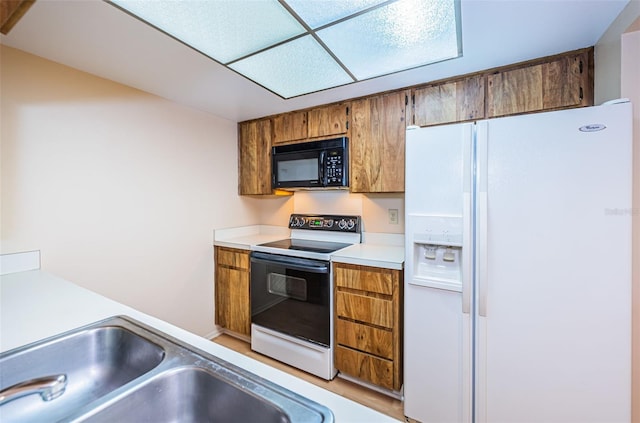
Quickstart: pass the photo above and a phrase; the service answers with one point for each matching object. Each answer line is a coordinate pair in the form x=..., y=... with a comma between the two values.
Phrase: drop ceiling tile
x=224, y=30
x=317, y=13
x=395, y=37
x=298, y=67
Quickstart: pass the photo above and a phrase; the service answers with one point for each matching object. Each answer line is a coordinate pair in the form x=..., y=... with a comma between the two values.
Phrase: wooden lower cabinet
x=232, y=301
x=368, y=324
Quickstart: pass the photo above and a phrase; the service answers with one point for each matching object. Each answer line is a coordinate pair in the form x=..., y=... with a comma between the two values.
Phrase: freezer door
x=436, y=175
x=554, y=267
x=437, y=320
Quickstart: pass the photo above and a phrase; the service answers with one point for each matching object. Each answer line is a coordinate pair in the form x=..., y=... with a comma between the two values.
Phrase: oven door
x=291, y=295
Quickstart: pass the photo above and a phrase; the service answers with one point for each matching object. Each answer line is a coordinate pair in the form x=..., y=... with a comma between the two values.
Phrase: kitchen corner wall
x=119, y=189
x=630, y=88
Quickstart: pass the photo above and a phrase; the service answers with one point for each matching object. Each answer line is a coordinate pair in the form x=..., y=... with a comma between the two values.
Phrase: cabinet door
x=366, y=366
x=371, y=279
x=365, y=308
x=232, y=300
x=377, y=143
x=450, y=102
x=254, y=157
x=289, y=127
x=365, y=338
x=561, y=83
x=329, y=120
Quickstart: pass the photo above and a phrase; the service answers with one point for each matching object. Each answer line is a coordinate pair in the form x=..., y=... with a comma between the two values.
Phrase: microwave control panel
x=333, y=167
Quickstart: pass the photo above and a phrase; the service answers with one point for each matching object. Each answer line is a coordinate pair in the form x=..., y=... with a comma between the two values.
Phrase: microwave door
x=298, y=170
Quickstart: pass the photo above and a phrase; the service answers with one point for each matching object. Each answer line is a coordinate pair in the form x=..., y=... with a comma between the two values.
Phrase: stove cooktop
x=315, y=236
x=324, y=247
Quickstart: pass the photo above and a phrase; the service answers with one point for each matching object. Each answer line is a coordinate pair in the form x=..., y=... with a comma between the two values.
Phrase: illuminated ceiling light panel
x=294, y=68
x=402, y=35
x=224, y=30
x=316, y=13
x=297, y=47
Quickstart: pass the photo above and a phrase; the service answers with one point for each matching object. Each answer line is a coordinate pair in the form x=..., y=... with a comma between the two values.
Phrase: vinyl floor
x=347, y=389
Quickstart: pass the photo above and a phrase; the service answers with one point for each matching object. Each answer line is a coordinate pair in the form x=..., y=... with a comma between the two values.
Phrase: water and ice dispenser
x=436, y=243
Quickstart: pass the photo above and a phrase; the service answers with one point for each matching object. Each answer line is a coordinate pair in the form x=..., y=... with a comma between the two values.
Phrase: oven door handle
x=290, y=262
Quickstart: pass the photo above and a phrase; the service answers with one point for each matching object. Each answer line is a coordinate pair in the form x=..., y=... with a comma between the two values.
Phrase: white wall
x=607, y=55
x=119, y=189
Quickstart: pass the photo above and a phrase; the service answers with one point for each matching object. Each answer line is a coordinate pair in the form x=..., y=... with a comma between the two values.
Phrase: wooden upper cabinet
x=561, y=83
x=377, y=143
x=329, y=120
x=11, y=11
x=449, y=102
x=307, y=125
x=254, y=157
x=290, y=127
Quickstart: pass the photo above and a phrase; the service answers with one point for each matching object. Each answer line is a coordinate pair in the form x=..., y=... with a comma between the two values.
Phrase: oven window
x=291, y=301
x=287, y=286
x=298, y=170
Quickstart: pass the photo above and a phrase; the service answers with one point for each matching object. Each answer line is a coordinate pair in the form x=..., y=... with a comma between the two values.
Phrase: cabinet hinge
x=581, y=94
x=406, y=100
x=347, y=110
x=413, y=99
x=348, y=121
x=580, y=66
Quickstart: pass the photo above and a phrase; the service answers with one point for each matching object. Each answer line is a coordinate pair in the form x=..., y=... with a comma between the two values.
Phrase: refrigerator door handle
x=467, y=259
x=482, y=160
x=466, y=256
x=482, y=253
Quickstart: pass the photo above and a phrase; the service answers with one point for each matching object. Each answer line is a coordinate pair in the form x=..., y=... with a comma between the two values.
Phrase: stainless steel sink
x=192, y=395
x=95, y=361
x=122, y=370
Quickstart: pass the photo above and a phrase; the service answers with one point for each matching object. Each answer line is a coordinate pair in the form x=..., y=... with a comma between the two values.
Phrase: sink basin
x=193, y=394
x=96, y=362
x=121, y=370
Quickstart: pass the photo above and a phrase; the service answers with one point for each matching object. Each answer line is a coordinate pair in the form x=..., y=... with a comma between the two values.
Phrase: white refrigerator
x=518, y=269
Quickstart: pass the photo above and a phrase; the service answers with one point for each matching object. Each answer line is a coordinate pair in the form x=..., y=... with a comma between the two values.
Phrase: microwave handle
x=322, y=166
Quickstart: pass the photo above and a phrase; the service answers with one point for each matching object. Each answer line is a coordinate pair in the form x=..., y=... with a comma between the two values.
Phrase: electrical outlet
x=393, y=216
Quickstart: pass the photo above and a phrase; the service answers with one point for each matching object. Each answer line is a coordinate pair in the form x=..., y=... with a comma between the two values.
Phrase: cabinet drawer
x=364, y=366
x=232, y=258
x=365, y=338
x=364, y=278
x=365, y=309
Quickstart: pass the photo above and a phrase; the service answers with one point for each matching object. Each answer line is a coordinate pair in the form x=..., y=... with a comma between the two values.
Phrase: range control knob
x=351, y=223
x=342, y=224
x=300, y=221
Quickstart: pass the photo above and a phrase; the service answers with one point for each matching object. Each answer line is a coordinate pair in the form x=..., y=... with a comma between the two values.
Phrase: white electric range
x=292, y=291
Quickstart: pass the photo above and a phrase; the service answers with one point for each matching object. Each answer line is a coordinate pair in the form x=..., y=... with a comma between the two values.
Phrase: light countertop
x=247, y=236
x=376, y=255
x=36, y=305
x=377, y=250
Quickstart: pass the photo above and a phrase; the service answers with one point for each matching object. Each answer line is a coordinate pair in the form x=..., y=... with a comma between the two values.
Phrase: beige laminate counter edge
x=36, y=305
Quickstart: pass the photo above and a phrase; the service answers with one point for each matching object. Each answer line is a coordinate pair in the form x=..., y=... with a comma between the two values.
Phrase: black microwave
x=309, y=165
